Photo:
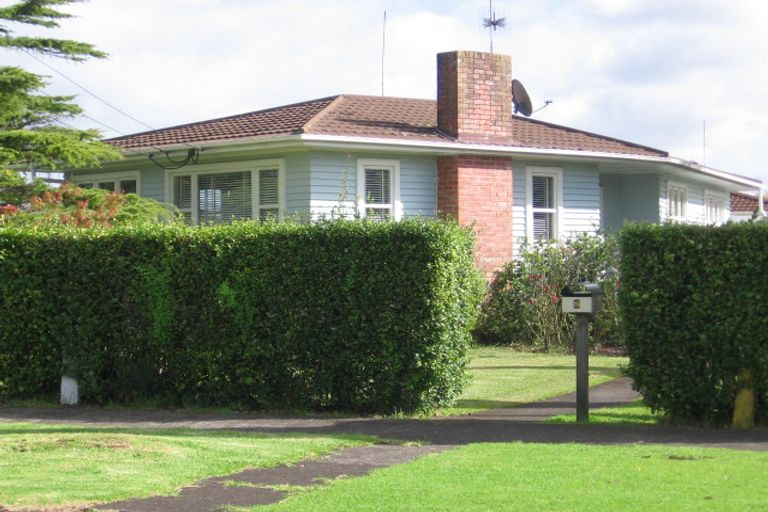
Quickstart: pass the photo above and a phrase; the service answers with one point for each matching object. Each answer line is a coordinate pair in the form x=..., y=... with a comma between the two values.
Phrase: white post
x=70, y=393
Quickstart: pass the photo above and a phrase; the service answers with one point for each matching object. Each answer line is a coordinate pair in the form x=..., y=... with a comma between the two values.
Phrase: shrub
x=70, y=205
x=361, y=316
x=523, y=305
x=695, y=306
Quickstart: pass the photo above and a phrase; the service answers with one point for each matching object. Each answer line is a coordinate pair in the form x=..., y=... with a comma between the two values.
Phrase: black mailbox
x=582, y=298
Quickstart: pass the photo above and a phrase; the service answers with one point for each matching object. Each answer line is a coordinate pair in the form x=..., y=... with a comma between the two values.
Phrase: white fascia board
x=452, y=148
x=447, y=148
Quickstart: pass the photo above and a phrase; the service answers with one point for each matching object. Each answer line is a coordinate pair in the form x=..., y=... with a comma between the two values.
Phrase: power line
x=78, y=129
x=195, y=149
x=108, y=127
x=88, y=91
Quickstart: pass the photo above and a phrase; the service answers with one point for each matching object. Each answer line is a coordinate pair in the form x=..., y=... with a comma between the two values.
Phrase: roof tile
x=370, y=117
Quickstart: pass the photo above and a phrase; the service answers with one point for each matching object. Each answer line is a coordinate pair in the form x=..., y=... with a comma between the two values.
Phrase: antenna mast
x=383, y=49
x=493, y=22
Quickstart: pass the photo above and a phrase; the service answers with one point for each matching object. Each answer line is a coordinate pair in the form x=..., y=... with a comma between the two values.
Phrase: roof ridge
x=223, y=118
x=322, y=113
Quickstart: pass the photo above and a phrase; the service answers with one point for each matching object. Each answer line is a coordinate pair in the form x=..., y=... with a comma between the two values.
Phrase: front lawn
x=501, y=377
x=66, y=464
x=72, y=465
x=525, y=477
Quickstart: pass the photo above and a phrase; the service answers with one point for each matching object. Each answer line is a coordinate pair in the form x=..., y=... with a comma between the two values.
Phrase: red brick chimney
x=474, y=96
x=474, y=105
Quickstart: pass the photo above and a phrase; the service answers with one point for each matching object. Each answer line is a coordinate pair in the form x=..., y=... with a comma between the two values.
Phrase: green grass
x=524, y=477
x=636, y=413
x=66, y=464
x=501, y=377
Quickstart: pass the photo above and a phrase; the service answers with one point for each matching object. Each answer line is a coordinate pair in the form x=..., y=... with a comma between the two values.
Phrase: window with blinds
x=714, y=206
x=378, y=193
x=224, y=197
x=221, y=197
x=269, y=194
x=677, y=202
x=543, y=207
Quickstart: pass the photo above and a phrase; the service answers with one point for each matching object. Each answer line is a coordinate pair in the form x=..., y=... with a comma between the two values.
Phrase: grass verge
x=635, y=413
x=501, y=377
x=45, y=465
x=518, y=476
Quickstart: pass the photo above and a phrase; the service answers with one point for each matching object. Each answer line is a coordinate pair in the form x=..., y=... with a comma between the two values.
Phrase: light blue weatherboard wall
x=297, y=182
x=630, y=198
x=581, y=199
x=153, y=183
x=334, y=178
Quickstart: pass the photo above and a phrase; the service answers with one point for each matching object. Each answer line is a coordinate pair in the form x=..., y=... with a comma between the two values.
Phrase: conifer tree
x=31, y=134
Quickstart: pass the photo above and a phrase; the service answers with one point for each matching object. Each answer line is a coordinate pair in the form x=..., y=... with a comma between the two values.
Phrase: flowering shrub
x=70, y=205
x=523, y=306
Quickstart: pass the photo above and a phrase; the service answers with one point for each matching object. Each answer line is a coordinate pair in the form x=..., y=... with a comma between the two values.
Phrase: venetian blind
x=378, y=202
x=543, y=202
x=224, y=197
x=269, y=194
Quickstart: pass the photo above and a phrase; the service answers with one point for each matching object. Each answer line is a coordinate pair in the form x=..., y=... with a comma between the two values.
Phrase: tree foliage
x=31, y=134
x=42, y=13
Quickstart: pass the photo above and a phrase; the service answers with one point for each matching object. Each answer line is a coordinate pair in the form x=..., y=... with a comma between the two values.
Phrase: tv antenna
x=492, y=22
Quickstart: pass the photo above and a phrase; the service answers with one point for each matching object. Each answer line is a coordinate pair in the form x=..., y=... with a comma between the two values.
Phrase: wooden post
x=744, y=404
x=582, y=368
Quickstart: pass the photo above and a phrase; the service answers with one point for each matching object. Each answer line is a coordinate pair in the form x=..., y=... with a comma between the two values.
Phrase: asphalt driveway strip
x=433, y=435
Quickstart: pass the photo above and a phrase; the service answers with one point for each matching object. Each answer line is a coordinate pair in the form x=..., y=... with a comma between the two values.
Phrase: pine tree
x=30, y=130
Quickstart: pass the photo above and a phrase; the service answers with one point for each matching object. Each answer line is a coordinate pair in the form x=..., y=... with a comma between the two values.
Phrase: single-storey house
x=467, y=155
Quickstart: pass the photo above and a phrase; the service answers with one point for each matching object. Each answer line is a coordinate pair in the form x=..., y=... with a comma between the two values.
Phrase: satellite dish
x=520, y=99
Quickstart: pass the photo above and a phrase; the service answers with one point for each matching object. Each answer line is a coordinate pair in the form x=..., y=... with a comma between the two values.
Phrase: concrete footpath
x=497, y=425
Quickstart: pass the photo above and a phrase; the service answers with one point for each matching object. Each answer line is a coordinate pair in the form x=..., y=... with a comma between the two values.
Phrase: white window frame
x=95, y=179
x=673, y=186
x=548, y=172
x=395, y=205
x=252, y=167
x=711, y=195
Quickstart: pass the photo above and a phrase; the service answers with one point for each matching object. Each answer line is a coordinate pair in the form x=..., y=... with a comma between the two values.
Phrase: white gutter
x=451, y=148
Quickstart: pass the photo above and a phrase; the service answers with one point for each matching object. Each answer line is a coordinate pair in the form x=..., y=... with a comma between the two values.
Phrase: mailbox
x=582, y=298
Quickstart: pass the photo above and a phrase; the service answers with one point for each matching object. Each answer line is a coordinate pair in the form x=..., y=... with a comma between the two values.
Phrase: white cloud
x=648, y=71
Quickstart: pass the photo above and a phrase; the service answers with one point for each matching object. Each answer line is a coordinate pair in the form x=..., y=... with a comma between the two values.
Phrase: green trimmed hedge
x=356, y=316
x=695, y=306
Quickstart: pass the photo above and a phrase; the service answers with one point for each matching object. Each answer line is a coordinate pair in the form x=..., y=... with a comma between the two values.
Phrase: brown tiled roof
x=371, y=117
x=745, y=204
x=283, y=120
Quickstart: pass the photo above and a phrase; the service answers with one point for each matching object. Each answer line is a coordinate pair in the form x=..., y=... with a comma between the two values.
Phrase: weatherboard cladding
x=377, y=117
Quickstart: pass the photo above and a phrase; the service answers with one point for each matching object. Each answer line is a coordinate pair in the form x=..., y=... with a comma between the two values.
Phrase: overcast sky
x=648, y=71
